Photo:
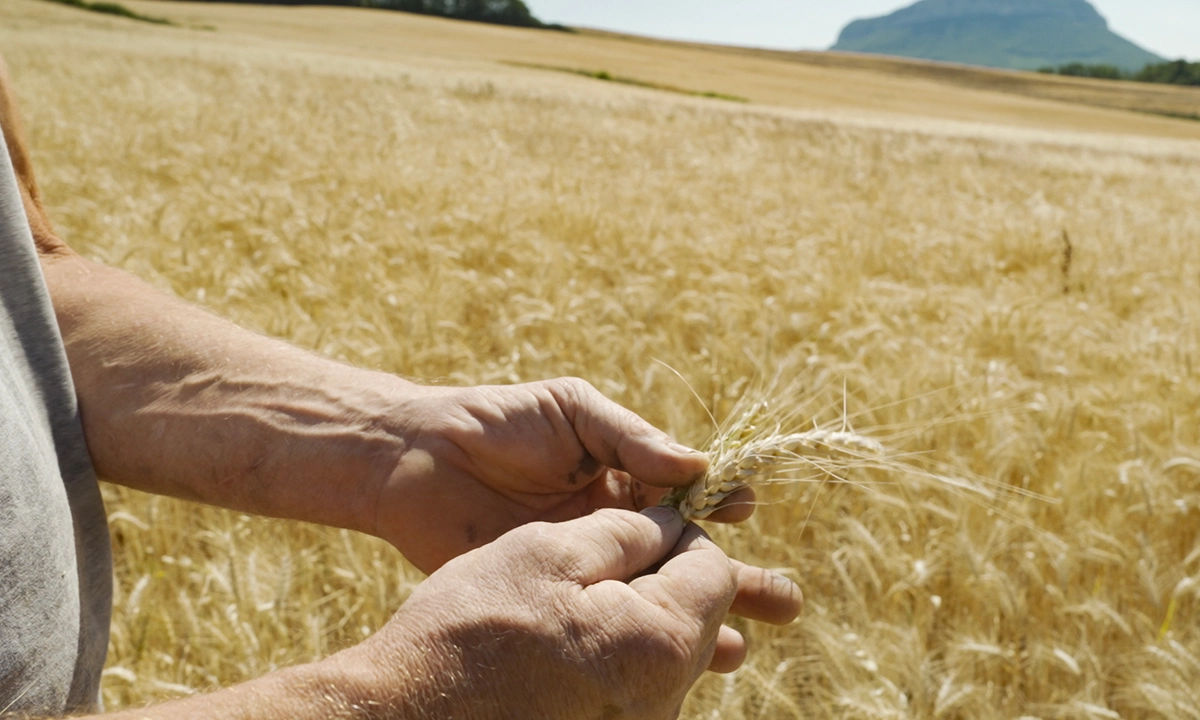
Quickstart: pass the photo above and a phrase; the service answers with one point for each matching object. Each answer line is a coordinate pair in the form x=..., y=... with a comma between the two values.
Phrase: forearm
x=177, y=401
x=356, y=684
x=320, y=691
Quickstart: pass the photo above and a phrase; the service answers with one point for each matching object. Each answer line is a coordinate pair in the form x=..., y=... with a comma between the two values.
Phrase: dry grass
x=871, y=87
x=479, y=223
x=1170, y=100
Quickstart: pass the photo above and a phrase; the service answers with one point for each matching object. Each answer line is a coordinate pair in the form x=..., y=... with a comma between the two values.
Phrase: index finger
x=697, y=584
x=765, y=595
x=610, y=544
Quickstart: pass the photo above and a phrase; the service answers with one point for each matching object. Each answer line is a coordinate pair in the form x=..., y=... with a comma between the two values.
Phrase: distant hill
x=1017, y=34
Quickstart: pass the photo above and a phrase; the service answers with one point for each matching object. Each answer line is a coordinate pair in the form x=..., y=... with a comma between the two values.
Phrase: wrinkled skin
x=481, y=461
x=563, y=621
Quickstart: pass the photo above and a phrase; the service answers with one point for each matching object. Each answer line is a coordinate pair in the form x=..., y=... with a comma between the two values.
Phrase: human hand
x=563, y=622
x=480, y=461
x=611, y=616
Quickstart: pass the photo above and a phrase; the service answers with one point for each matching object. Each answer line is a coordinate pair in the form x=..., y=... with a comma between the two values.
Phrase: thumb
x=621, y=440
x=614, y=544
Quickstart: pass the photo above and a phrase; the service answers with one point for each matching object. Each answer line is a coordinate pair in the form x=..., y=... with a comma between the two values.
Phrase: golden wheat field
x=1013, y=305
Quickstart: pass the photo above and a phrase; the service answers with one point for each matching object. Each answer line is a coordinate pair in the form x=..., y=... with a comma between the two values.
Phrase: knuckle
x=551, y=549
x=616, y=518
x=729, y=582
x=676, y=648
x=577, y=548
x=627, y=528
x=575, y=390
x=533, y=541
x=671, y=648
x=577, y=384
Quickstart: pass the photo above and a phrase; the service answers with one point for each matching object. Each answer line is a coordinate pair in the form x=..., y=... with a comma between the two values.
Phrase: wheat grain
x=745, y=455
x=396, y=215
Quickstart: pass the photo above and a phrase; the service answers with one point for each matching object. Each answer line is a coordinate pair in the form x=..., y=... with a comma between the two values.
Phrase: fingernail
x=681, y=449
x=662, y=514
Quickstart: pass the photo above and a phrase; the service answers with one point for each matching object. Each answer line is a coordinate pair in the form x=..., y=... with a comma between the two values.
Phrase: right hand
x=476, y=462
x=563, y=622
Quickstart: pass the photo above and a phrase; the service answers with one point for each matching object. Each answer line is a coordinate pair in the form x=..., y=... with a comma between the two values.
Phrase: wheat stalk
x=746, y=454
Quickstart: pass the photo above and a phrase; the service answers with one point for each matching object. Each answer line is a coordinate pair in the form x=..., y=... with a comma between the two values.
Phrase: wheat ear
x=744, y=456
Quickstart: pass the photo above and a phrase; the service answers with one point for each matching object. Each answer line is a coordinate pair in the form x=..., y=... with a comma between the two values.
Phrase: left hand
x=613, y=615
x=480, y=461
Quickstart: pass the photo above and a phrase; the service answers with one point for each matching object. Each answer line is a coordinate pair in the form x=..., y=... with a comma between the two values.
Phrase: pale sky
x=1170, y=28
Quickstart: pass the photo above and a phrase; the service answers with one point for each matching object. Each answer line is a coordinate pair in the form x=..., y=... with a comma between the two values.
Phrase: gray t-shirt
x=55, y=561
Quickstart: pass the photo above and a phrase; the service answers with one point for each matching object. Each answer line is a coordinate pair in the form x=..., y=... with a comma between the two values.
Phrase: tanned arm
x=179, y=402
x=559, y=621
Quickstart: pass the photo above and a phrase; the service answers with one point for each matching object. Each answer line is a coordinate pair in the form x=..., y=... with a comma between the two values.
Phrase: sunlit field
x=1011, y=306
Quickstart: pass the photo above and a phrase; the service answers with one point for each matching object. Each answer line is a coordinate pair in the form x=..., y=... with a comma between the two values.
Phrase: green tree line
x=1177, y=72
x=499, y=12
